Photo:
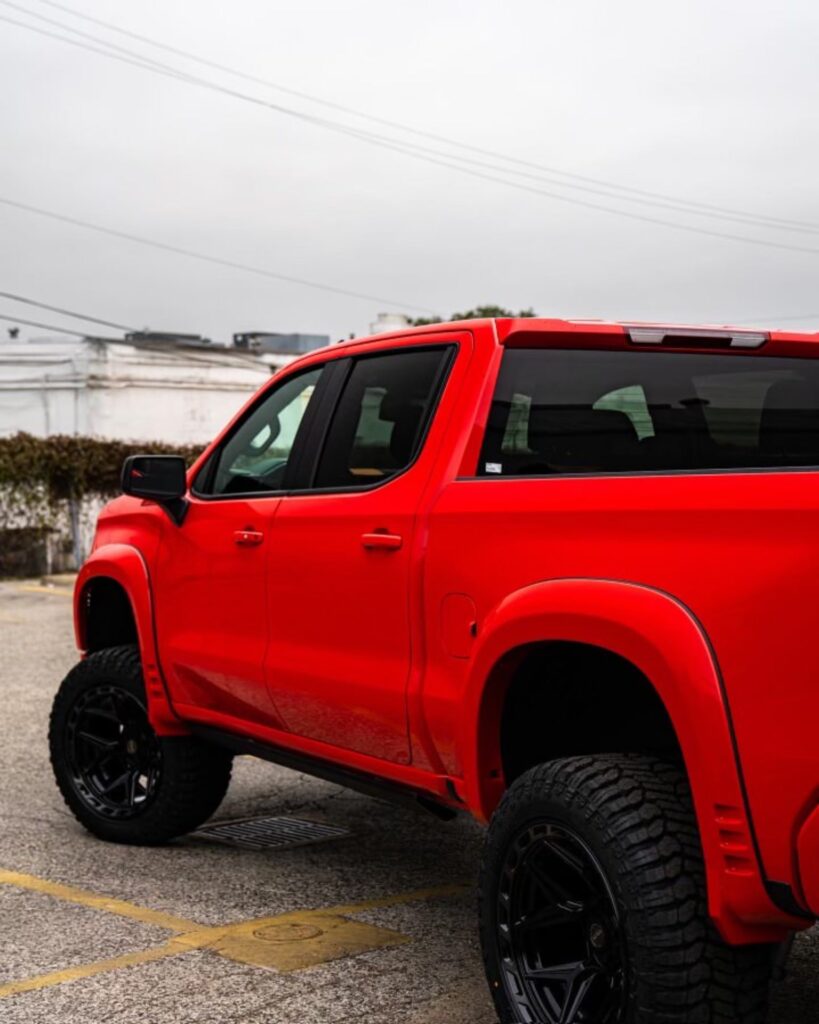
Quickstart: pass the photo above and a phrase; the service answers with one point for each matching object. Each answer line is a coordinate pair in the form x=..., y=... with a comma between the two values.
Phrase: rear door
x=344, y=555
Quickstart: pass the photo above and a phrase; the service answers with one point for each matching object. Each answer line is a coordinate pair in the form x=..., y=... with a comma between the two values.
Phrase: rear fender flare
x=661, y=637
x=125, y=565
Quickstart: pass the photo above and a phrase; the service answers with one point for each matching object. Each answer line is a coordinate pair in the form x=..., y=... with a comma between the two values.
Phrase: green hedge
x=62, y=467
x=44, y=484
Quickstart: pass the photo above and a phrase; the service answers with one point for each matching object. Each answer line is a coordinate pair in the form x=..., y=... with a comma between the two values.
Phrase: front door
x=211, y=601
x=343, y=557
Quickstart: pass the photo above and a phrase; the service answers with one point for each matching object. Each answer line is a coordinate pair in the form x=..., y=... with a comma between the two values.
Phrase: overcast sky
x=714, y=102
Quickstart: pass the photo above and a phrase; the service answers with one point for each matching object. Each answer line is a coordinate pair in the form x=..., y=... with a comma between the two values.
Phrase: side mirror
x=159, y=478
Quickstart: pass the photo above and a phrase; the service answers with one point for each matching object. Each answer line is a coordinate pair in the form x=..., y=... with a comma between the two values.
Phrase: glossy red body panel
x=211, y=607
x=686, y=537
x=125, y=564
x=340, y=673
x=385, y=658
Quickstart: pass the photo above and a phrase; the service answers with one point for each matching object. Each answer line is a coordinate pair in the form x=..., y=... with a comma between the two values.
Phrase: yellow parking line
x=90, y=899
x=144, y=956
x=287, y=942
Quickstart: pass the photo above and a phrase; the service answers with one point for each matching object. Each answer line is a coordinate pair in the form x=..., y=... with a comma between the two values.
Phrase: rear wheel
x=122, y=781
x=593, y=904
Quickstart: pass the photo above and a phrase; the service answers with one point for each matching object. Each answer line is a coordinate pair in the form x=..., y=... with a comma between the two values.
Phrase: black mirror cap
x=160, y=478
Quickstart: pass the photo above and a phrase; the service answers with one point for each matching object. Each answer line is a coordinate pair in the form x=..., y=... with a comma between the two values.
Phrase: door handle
x=247, y=538
x=383, y=540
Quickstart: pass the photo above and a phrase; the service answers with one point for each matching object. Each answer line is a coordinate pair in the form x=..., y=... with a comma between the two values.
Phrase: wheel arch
x=564, y=699
x=663, y=641
x=118, y=573
x=106, y=615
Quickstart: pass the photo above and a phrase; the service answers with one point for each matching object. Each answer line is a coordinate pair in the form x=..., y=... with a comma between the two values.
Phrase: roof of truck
x=506, y=327
x=514, y=325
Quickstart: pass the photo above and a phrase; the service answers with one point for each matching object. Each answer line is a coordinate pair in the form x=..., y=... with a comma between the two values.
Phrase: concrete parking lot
x=375, y=926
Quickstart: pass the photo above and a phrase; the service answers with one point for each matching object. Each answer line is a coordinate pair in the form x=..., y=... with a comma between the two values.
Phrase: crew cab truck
x=560, y=575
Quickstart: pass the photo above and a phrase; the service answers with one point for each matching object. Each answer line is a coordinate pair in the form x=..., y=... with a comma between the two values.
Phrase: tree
x=478, y=313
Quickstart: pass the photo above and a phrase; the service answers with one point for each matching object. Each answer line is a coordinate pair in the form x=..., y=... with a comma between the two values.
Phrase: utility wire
x=402, y=145
x=36, y=323
x=402, y=148
x=664, y=199
x=206, y=257
x=133, y=56
x=66, y=312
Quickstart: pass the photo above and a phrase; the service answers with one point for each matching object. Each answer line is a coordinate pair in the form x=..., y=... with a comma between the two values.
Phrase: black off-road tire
x=188, y=777
x=634, y=816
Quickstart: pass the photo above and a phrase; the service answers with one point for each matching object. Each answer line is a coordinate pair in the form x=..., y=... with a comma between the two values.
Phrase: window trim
x=303, y=464
x=621, y=474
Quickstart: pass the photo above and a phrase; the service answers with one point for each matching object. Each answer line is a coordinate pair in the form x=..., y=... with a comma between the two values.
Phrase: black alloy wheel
x=124, y=783
x=593, y=904
x=560, y=936
x=114, y=757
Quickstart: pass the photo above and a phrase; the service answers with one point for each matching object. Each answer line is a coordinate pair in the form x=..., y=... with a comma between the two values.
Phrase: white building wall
x=173, y=395
x=126, y=392
x=41, y=387
x=385, y=322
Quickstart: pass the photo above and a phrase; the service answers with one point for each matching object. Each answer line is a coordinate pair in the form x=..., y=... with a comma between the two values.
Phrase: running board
x=351, y=778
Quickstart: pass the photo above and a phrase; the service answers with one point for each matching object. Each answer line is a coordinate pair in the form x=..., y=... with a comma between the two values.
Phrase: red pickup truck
x=557, y=574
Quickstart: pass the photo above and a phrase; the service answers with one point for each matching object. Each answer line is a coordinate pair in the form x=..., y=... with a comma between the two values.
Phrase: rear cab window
x=579, y=411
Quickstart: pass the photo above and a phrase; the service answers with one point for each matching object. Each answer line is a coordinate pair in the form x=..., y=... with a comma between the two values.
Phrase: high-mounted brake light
x=696, y=337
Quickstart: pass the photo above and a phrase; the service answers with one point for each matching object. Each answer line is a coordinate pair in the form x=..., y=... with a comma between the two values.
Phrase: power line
x=206, y=257
x=400, y=147
x=66, y=312
x=664, y=199
x=132, y=56
x=47, y=327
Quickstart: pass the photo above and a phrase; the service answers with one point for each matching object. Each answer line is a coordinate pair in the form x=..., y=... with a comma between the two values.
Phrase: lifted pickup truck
x=561, y=575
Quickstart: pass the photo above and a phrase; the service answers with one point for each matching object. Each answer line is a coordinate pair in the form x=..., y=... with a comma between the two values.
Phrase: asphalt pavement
x=375, y=925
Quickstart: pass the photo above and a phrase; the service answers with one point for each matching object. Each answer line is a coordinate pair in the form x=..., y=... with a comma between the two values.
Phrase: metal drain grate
x=270, y=833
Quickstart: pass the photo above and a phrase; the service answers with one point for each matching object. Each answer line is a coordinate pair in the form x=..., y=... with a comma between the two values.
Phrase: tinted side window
x=381, y=417
x=583, y=411
x=255, y=456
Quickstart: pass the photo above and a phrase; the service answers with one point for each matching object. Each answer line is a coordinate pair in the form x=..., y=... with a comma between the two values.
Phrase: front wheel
x=593, y=903
x=122, y=781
